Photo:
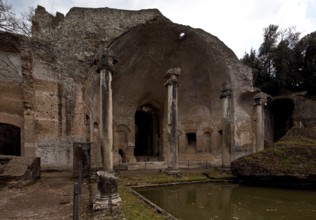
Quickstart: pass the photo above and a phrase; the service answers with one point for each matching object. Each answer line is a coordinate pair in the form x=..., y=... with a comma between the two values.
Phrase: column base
x=107, y=203
x=107, y=197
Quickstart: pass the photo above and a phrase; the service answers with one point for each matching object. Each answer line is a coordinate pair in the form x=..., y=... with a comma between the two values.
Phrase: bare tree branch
x=11, y=23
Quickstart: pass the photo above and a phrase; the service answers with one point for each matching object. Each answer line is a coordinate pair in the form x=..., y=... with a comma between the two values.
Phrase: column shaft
x=106, y=130
x=226, y=143
x=172, y=126
x=226, y=94
x=172, y=85
x=105, y=61
x=259, y=102
x=259, y=129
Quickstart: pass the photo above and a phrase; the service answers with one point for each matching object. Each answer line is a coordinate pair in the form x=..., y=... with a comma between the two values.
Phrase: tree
x=251, y=59
x=7, y=17
x=25, y=23
x=278, y=64
x=266, y=50
x=305, y=52
x=11, y=23
x=284, y=60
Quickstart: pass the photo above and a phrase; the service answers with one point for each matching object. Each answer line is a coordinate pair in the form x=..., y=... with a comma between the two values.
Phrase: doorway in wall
x=10, y=140
x=282, y=111
x=147, y=133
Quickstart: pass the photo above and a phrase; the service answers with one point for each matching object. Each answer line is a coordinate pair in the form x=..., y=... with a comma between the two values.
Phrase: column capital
x=226, y=90
x=260, y=99
x=105, y=59
x=172, y=75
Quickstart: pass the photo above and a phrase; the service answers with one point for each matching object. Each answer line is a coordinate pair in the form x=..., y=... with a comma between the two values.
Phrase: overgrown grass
x=294, y=154
x=134, y=208
x=297, y=141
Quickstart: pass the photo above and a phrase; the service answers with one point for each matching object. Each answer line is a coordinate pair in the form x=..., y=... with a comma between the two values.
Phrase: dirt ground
x=50, y=197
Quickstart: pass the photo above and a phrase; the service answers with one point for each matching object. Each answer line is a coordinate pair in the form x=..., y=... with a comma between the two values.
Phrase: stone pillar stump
x=107, y=198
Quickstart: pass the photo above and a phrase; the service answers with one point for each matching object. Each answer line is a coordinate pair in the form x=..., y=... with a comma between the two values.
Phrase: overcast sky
x=238, y=23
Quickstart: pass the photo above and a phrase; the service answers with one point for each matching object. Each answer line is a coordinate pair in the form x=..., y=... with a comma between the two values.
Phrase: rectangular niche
x=191, y=139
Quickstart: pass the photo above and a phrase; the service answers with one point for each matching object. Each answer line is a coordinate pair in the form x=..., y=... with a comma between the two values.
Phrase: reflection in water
x=231, y=201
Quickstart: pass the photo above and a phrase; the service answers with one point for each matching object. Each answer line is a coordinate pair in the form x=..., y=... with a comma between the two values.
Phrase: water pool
x=214, y=201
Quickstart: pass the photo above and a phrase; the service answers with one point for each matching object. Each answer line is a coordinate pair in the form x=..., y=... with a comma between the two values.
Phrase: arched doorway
x=10, y=140
x=282, y=111
x=147, y=133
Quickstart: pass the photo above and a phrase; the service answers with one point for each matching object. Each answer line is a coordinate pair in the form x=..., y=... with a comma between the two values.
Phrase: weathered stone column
x=260, y=100
x=226, y=94
x=105, y=61
x=172, y=85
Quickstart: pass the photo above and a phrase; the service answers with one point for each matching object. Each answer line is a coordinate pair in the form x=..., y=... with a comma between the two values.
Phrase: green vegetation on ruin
x=293, y=155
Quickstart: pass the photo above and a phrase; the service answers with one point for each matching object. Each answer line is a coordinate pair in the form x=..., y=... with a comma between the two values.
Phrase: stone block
x=55, y=154
x=81, y=152
x=22, y=169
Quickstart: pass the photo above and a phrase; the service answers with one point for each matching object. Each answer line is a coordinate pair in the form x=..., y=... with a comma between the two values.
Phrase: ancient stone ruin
x=61, y=87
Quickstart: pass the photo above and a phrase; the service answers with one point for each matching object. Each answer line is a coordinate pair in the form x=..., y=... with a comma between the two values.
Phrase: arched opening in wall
x=147, y=133
x=282, y=111
x=10, y=139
